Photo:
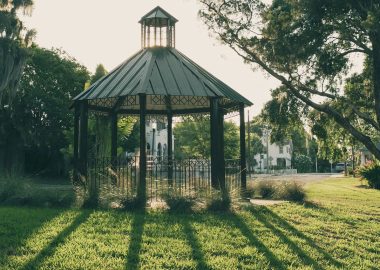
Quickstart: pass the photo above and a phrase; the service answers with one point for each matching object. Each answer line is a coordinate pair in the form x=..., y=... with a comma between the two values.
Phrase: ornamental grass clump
x=290, y=191
x=371, y=173
x=178, y=203
x=266, y=189
x=280, y=190
x=219, y=202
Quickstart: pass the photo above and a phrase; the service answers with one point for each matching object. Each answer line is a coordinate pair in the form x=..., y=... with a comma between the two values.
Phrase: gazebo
x=161, y=81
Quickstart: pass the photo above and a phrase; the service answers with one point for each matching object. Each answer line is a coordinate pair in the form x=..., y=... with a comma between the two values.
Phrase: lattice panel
x=107, y=103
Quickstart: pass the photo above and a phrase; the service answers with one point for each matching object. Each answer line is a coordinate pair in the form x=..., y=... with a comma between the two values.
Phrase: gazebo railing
x=185, y=177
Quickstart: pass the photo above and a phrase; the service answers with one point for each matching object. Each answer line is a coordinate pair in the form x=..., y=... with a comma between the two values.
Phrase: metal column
x=113, y=139
x=215, y=156
x=83, y=126
x=141, y=191
x=243, y=162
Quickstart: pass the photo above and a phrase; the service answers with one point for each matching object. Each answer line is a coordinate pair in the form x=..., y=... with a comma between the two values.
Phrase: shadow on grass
x=275, y=263
x=313, y=205
x=17, y=225
x=192, y=240
x=280, y=222
x=363, y=186
x=306, y=259
x=133, y=257
x=49, y=250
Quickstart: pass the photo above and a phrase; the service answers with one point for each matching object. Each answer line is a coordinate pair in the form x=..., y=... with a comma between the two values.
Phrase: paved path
x=302, y=177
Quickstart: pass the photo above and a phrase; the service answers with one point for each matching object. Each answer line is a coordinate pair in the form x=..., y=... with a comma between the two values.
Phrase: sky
x=108, y=32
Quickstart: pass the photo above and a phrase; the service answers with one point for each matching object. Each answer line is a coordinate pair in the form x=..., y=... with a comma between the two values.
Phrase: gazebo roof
x=159, y=72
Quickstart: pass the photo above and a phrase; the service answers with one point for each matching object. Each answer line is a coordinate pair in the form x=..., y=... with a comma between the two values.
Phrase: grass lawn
x=340, y=230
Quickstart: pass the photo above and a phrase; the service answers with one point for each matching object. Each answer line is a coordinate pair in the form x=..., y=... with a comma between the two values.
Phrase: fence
x=185, y=177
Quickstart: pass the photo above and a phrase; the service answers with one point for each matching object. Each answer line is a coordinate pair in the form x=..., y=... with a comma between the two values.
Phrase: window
x=281, y=149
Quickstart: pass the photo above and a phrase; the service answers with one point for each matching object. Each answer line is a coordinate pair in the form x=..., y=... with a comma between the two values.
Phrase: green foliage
x=308, y=47
x=40, y=113
x=14, y=41
x=220, y=203
x=99, y=127
x=179, y=203
x=371, y=173
x=302, y=163
x=256, y=128
x=128, y=133
x=132, y=203
x=100, y=71
x=193, y=139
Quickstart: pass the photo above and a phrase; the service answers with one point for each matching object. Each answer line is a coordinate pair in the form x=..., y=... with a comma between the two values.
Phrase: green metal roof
x=160, y=72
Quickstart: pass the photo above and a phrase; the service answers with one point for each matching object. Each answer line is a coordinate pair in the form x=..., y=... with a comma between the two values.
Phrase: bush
x=219, y=203
x=266, y=189
x=132, y=203
x=282, y=190
x=290, y=191
x=371, y=173
x=302, y=163
x=177, y=203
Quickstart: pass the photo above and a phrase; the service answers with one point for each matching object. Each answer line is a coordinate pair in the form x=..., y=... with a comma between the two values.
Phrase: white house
x=280, y=155
x=157, y=139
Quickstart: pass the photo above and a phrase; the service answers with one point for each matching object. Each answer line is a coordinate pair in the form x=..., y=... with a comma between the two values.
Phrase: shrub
x=266, y=189
x=219, y=203
x=132, y=203
x=302, y=163
x=290, y=191
x=283, y=190
x=371, y=173
x=177, y=203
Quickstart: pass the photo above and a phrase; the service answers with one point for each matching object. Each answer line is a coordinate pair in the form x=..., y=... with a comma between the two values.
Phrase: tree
x=307, y=46
x=39, y=124
x=256, y=127
x=192, y=139
x=14, y=41
x=99, y=125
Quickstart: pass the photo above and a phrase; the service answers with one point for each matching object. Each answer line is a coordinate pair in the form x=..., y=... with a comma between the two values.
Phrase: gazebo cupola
x=158, y=29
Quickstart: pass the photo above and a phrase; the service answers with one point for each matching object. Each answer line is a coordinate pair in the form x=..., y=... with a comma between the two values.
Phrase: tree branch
x=340, y=119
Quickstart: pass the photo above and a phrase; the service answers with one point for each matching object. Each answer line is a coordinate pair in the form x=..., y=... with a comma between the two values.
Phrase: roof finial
x=158, y=29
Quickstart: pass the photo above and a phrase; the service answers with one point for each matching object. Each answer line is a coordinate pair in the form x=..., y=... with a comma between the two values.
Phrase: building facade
x=276, y=156
x=157, y=139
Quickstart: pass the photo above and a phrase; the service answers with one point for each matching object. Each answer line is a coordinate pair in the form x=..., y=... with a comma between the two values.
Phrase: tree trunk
x=375, y=40
x=103, y=136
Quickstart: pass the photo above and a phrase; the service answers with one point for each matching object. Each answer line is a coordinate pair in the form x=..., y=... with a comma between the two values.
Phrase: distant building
x=365, y=155
x=280, y=156
x=157, y=139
